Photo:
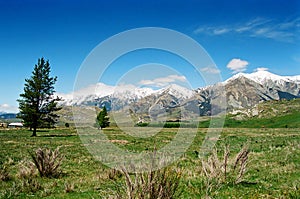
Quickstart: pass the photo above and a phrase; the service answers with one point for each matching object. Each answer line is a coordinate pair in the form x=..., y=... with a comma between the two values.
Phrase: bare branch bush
x=47, y=162
x=161, y=183
x=217, y=171
x=151, y=184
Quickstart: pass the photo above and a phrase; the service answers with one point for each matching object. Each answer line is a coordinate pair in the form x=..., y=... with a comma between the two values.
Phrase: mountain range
x=4, y=115
x=238, y=92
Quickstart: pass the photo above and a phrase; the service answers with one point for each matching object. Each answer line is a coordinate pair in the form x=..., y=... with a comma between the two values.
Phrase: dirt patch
x=10, y=141
x=119, y=141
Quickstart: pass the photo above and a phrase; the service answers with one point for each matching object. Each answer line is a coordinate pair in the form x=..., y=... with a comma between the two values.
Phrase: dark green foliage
x=102, y=119
x=37, y=104
x=142, y=124
x=67, y=125
x=170, y=125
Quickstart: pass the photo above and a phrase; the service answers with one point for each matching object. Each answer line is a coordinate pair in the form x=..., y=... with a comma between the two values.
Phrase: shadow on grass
x=42, y=130
x=57, y=135
x=248, y=184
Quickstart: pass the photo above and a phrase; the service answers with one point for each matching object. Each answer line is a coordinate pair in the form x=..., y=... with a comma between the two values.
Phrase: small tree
x=102, y=119
x=38, y=104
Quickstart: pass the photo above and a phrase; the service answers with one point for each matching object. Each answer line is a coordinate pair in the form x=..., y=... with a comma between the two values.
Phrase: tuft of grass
x=4, y=170
x=30, y=185
x=11, y=192
x=4, y=173
x=114, y=174
x=69, y=187
x=161, y=183
x=152, y=183
x=47, y=162
x=240, y=163
x=218, y=171
x=26, y=170
x=295, y=193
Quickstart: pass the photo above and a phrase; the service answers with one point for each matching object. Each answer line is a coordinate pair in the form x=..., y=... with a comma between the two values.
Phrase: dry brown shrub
x=47, y=162
x=219, y=170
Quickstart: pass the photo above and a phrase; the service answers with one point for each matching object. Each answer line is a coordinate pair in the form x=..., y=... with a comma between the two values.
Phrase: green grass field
x=273, y=169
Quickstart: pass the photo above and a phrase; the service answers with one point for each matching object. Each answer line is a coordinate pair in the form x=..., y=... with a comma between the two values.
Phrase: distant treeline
x=285, y=121
x=169, y=125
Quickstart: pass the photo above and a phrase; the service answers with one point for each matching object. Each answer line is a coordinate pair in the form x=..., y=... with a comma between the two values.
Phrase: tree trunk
x=33, y=132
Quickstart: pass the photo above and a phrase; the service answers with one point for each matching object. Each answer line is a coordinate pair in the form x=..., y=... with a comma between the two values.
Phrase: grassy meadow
x=272, y=169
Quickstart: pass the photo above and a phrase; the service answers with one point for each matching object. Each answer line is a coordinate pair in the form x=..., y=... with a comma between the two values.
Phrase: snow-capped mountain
x=263, y=77
x=240, y=91
x=272, y=82
x=127, y=92
x=246, y=90
x=178, y=91
x=85, y=95
x=91, y=93
x=102, y=93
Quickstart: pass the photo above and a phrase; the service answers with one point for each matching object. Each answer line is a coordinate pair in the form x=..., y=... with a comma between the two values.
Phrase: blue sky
x=246, y=34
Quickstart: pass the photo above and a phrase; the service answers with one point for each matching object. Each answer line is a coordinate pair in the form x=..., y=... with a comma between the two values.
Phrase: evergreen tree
x=38, y=104
x=102, y=119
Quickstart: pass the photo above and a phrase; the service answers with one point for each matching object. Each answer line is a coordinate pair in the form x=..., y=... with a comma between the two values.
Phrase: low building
x=15, y=125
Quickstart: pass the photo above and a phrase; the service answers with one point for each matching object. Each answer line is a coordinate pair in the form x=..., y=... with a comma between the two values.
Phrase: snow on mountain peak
x=124, y=92
x=127, y=92
x=88, y=93
x=131, y=91
x=264, y=76
x=178, y=91
x=100, y=90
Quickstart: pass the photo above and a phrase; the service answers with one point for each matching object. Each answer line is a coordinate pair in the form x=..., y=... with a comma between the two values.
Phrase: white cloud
x=220, y=31
x=250, y=25
x=211, y=70
x=284, y=31
x=200, y=30
x=163, y=81
x=8, y=108
x=261, y=69
x=98, y=89
x=237, y=65
x=273, y=33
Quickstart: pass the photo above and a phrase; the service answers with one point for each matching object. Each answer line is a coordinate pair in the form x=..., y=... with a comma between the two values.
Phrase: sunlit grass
x=273, y=169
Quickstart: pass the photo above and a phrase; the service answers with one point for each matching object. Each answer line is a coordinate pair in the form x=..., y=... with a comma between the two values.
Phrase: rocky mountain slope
x=247, y=90
x=241, y=91
x=268, y=109
x=261, y=86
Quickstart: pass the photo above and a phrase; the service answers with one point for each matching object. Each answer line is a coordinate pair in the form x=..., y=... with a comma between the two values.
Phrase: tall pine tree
x=38, y=104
